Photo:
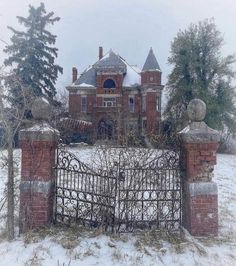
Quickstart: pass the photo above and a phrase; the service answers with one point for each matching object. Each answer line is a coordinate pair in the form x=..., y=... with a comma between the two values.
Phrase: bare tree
x=11, y=117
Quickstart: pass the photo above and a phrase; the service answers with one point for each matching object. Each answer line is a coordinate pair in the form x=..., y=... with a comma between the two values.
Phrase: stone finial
x=196, y=110
x=41, y=109
x=198, y=131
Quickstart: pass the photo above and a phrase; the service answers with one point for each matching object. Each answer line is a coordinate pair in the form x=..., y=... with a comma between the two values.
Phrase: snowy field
x=77, y=246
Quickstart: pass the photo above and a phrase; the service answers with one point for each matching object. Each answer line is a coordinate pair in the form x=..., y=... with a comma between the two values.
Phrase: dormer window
x=109, y=84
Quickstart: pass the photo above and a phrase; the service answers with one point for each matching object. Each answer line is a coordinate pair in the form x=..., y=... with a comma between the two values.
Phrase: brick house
x=116, y=97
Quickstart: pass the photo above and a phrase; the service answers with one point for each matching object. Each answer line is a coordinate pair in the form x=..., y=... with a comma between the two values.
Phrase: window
x=143, y=103
x=131, y=104
x=158, y=103
x=109, y=84
x=83, y=103
x=109, y=102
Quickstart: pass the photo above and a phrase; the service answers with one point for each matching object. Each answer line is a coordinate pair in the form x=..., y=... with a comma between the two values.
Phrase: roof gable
x=110, y=62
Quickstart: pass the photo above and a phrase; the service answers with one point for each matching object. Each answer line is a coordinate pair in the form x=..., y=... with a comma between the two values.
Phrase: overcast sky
x=129, y=27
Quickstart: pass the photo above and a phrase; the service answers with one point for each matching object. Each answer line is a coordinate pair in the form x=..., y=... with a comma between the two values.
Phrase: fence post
x=38, y=144
x=199, y=144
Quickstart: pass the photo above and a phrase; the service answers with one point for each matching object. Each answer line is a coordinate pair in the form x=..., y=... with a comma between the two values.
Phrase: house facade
x=117, y=98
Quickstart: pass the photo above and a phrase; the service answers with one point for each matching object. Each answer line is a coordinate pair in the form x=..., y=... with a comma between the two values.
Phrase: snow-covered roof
x=109, y=62
x=85, y=85
x=132, y=77
x=87, y=77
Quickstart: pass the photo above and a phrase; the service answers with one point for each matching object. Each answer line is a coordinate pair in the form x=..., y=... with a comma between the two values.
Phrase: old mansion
x=116, y=97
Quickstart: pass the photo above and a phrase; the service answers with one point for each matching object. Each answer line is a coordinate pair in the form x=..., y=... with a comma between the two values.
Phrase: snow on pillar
x=199, y=144
x=38, y=144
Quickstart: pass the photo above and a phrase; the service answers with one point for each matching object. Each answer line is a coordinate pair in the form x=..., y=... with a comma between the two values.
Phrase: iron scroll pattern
x=131, y=195
x=149, y=195
x=82, y=195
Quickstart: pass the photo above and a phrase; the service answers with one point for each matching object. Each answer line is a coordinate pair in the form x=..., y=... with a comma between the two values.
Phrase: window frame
x=112, y=100
x=144, y=103
x=131, y=107
x=109, y=88
x=84, y=105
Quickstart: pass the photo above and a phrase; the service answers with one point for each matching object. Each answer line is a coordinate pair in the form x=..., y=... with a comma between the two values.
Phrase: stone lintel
x=42, y=131
x=201, y=188
x=45, y=187
x=199, y=132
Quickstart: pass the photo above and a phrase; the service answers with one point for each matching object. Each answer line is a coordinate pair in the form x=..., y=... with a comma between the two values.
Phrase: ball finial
x=196, y=110
x=41, y=109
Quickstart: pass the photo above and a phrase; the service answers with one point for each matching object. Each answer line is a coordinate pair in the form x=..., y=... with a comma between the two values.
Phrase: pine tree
x=32, y=55
x=200, y=71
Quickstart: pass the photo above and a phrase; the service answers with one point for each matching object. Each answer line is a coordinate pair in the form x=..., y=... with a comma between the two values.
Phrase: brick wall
x=37, y=178
x=74, y=105
x=198, y=159
x=200, y=194
x=35, y=155
x=200, y=208
x=151, y=77
x=202, y=216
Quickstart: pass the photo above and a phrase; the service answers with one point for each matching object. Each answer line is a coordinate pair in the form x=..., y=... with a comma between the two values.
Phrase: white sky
x=129, y=27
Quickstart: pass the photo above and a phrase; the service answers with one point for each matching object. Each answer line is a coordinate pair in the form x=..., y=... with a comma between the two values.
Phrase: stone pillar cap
x=41, y=109
x=196, y=110
x=39, y=132
x=198, y=131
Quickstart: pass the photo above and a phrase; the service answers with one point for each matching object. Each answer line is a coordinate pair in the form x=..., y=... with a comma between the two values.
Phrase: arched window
x=109, y=84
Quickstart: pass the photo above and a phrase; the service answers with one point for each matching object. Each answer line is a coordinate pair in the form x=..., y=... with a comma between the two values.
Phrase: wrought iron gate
x=122, y=198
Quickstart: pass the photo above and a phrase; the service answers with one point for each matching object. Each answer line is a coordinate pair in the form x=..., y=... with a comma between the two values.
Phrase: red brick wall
x=153, y=117
x=151, y=77
x=198, y=160
x=36, y=210
x=38, y=161
x=74, y=105
x=200, y=207
x=101, y=78
x=201, y=215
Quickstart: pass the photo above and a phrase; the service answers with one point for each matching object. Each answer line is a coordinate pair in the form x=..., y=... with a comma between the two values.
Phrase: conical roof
x=151, y=62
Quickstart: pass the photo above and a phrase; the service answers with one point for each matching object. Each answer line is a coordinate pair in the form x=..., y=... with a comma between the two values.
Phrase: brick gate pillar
x=38, y=144
x=199, y=144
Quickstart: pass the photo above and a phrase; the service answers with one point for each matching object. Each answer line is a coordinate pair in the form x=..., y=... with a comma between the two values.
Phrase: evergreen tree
x=200, y=71
x=32, y=54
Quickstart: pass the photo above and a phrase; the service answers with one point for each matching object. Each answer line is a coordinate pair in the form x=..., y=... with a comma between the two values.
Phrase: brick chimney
x=100, y=52
x=74, y=74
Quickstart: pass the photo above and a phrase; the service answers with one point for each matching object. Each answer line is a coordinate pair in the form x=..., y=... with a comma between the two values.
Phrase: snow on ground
x=79, y=246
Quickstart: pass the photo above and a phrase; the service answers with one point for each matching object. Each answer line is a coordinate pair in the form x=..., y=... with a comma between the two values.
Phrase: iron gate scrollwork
x=149, y=196
x=83, y=195
x=127, y=196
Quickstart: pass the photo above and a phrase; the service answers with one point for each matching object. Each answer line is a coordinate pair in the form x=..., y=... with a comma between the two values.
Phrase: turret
x=151, y=72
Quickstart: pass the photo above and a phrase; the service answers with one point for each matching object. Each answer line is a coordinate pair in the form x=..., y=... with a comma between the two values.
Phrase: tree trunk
x=10, y=188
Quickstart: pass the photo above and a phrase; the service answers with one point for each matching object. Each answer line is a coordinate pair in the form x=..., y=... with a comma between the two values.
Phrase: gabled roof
x=109, y=62
x=151, y=62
